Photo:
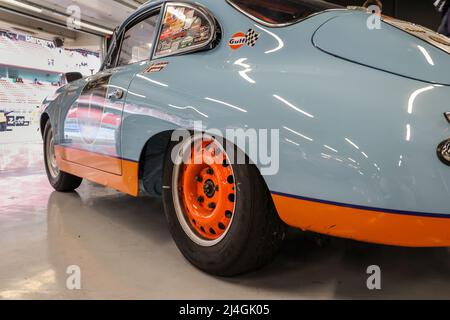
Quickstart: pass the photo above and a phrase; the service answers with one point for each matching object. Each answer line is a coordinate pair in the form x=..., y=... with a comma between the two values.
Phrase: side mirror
x=73, y=76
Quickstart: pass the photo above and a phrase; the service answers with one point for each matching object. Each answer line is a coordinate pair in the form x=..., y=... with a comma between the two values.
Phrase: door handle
x=116, y=94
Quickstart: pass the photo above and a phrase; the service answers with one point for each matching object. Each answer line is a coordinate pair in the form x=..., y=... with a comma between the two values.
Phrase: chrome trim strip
x=117, y=38
x=142, y=17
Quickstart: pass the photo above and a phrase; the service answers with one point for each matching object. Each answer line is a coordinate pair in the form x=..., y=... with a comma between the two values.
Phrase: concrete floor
x=125, y=251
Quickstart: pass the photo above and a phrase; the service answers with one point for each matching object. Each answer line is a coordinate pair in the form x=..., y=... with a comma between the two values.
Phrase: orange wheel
x=220, y=213
x=205, y=195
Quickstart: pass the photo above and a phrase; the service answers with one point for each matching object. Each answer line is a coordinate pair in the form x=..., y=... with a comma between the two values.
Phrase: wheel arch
x=152, y=157
x=151, y=162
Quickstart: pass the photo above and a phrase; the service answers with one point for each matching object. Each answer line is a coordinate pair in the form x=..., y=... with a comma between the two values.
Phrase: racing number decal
x=10, y=120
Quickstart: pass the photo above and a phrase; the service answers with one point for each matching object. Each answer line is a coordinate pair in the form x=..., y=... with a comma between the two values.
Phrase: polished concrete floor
x=124, y=250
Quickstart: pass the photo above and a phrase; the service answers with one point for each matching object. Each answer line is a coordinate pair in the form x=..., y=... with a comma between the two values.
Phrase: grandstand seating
x=35, y=54
x=43, y=56
x=23, y=94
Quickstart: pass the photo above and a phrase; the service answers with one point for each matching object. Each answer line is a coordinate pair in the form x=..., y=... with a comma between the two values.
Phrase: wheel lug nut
x=210, y=171
x=198, y=179
x=201, y=199
x=212, y=205
x=217, y=188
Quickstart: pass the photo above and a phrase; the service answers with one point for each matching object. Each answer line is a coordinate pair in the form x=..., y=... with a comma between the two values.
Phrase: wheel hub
x=51, y=155
x=209, y=188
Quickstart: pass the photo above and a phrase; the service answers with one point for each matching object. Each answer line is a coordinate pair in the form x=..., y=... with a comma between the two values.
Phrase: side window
x=137, y=43
x=184, y=28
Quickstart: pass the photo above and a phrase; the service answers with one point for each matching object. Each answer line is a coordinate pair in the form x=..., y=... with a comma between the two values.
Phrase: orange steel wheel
x=206, y=187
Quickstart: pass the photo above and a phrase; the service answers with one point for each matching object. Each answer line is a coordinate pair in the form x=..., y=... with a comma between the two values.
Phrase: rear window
x=280, y=12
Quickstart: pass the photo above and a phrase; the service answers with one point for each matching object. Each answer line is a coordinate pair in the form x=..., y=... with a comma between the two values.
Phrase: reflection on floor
x=124, y=250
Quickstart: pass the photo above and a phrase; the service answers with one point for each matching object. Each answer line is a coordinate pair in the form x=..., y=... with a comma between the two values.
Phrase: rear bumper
x=364, y=224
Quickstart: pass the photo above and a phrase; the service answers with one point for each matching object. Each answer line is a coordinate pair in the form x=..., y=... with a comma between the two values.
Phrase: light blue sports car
x=250, y=115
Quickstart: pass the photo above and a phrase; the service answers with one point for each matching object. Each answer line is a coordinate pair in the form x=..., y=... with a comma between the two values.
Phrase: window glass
x=137, y=41
x=282, y=11
x=184, y=28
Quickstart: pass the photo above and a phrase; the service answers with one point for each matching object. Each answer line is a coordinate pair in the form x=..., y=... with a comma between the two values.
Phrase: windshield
x=281, y=12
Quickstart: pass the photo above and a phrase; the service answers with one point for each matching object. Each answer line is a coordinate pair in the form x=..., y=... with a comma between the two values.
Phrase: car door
x=92, y=125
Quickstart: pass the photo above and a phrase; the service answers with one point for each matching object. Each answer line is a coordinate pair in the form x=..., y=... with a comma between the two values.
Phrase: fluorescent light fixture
x=30, y=7
x=277, y=38
x=152, y=81
x=226, y=104
x=22, y=5
x=95, y=28
x=408, y=132
x=247, y=68
x=414, y=95
x=294, y=143
x=290, y=105
x=352, y=143
x=426, y=55
x=187, y=108
x=330, y=148
x=298, y=134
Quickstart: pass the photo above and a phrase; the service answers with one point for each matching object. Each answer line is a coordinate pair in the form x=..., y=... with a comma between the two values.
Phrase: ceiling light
x=23, y=5
x=95, y=28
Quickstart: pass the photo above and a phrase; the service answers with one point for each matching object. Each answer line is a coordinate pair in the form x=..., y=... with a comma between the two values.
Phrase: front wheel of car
x=60, y=181
x=221, y=215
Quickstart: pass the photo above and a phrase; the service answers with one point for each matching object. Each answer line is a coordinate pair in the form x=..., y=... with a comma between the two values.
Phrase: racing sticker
x=156, y=67
x=182, y=28
x=240, y=39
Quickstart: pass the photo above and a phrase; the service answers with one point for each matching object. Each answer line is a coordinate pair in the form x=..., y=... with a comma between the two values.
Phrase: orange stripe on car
x=375, y=226
x=126, y=181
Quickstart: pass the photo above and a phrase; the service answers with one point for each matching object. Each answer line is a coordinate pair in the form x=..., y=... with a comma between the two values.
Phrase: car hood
x=399, y=47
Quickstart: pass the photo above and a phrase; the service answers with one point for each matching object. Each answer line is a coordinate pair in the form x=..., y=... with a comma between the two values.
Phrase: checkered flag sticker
x=251, y=37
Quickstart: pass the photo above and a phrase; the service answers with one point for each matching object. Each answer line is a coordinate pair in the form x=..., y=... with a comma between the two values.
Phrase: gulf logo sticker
x=237, y=41
x=240, y=39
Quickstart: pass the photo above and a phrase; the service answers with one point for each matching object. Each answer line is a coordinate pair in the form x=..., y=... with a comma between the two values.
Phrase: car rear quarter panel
x=347, y=101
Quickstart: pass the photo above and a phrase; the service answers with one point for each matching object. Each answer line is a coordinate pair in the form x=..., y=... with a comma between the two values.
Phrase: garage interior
x=123, y=244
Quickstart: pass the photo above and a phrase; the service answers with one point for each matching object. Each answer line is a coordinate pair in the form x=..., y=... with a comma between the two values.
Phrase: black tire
x=62, y=181
x=254, y=236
